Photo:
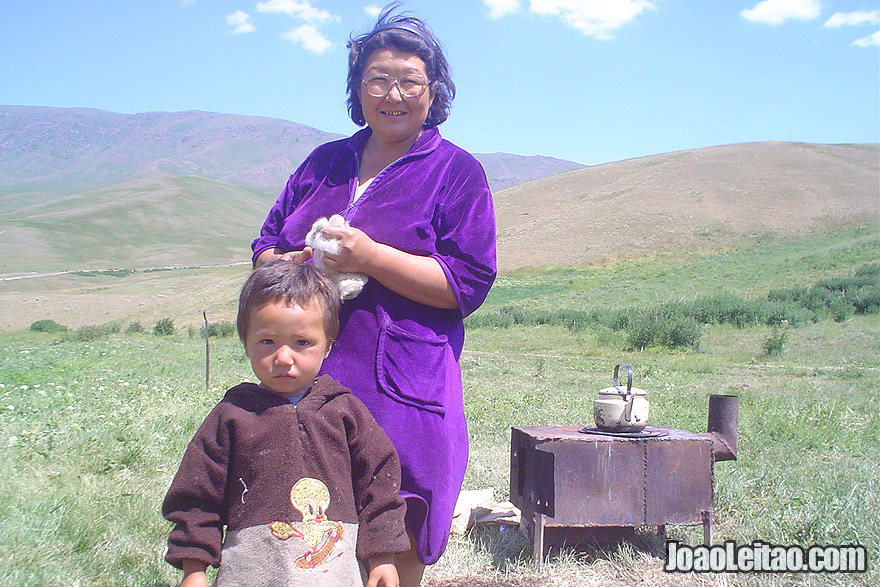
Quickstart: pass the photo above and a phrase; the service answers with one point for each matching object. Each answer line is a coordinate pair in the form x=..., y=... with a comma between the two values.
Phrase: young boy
x=295, y=469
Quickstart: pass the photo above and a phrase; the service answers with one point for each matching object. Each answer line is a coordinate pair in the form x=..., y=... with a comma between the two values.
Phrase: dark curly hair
x=409, y=34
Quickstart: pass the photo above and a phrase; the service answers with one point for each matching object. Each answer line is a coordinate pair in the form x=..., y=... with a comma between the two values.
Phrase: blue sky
x=591, y=81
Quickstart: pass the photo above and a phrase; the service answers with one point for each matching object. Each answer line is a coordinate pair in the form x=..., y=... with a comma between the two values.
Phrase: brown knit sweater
x=299, y=489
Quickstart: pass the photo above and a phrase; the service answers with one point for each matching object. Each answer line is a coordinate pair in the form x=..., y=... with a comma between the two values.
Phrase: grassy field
x=91, y=431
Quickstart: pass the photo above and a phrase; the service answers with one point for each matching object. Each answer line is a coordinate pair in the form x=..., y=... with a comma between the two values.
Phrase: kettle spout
x=723, y=426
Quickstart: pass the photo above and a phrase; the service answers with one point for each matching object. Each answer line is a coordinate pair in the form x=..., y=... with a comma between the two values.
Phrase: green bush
x=90, y=332
x=215, y=329
x=776, y=313
x=86, y=333
x=164, y=327
x=135, y=327
x=224, y=329
x=49, y=326
x=866, y=300
x=678, y=324
x=670, y=329
x=793, y=294
x=576, y=319
x=775, y=343
x=840, y=311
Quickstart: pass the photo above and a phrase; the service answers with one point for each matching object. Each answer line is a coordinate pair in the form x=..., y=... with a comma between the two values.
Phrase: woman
x=423, y=231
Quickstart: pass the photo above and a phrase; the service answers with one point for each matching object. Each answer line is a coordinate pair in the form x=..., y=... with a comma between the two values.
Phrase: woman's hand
x=272, y=254
x=356, y=249
x=416, y=277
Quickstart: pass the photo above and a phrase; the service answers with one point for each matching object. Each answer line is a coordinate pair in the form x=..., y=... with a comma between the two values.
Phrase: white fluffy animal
x=349, y=284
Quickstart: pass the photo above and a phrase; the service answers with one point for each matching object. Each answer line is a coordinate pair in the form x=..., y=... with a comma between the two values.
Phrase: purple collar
x=425, y=144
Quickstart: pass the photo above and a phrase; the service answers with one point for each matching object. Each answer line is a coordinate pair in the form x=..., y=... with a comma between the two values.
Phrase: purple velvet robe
x=401, y=358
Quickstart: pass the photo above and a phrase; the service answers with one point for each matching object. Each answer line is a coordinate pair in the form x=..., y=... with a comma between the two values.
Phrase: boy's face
x=286, y=346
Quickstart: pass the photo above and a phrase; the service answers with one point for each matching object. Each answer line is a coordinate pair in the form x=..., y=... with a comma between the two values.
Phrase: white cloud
x=869, y=41
x=301, y=10
x=596, y=18
x=309, y=37
x=241, y=21
x=779, y=11
x=498, y=8
x=372, y=10
x=857, y=18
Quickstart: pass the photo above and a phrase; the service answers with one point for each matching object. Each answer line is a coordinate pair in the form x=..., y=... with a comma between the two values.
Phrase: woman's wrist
x=266, y=256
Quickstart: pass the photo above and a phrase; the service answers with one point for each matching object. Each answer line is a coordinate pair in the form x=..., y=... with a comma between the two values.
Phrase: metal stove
x=588, y=482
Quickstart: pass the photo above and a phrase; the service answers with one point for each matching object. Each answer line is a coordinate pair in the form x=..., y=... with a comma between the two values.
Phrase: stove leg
x=707, y=528
x=538, y=541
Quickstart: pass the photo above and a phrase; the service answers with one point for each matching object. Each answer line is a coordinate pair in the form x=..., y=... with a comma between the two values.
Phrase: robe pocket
x=412, y=367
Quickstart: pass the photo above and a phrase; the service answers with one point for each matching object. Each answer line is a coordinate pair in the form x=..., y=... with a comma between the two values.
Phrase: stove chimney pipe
x=723, y=425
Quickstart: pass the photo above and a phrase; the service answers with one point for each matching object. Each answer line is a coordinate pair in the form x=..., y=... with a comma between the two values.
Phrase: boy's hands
x=194, y=574
x=383, y=573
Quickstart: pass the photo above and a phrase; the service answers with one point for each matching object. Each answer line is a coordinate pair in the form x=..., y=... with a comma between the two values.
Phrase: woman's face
x=393, y=118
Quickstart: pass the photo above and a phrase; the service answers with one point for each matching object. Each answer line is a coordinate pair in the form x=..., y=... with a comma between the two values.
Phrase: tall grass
x=92, y=430
x=678, y=324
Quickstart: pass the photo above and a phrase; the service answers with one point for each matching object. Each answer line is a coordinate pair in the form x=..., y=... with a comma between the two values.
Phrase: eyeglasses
x=410, y=86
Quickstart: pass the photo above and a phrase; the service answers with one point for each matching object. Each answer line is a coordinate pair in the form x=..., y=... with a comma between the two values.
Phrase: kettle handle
x=628, y=396
x=629, y=377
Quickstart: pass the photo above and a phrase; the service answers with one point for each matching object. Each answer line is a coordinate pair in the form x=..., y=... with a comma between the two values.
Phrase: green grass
x=91, y=431
x=752, y=272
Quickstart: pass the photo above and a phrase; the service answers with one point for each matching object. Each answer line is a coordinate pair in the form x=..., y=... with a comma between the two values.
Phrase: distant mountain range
x=86, y=189
x=47, y=152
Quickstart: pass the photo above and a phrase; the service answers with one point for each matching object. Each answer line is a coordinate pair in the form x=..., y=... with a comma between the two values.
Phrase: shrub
x=135, y=327
x=775, y=343
x=794, y=294
x=225, y=328
x=870, y=272
x=723, y=309
x=575, y=319
x=680, y=331
x=90, y=332
x=49, y=326
x=86, y=333
x=776, y=313
x=671, y=329
x=215, y=329
x=488, y=320
x=164, y=327
x=866, y=300
x=678, y=324
x=840, y=311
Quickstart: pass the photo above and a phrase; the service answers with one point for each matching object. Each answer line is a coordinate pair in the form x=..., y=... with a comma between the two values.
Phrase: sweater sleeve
x=376, y=482
x=195, y=502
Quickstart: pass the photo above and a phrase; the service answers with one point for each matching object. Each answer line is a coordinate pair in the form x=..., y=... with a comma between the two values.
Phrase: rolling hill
x=703, y=198
x=105, y=191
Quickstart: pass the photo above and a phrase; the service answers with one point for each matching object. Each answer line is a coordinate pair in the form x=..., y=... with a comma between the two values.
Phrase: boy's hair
x=291, y=283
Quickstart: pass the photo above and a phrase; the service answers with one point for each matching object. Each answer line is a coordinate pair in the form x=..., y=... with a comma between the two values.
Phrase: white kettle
x=618, y=409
